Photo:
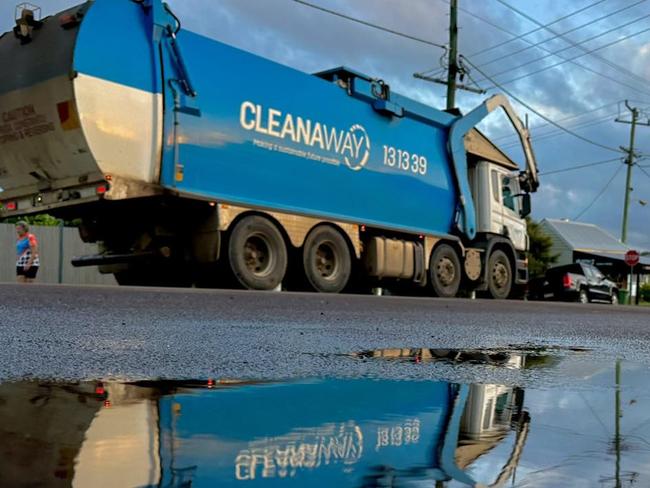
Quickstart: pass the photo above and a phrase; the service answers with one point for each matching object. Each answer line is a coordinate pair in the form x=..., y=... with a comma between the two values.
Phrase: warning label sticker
x=23, y=123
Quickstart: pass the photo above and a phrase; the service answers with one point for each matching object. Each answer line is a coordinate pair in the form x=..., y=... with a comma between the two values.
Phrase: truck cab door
x=514, y=225
x=505, y=215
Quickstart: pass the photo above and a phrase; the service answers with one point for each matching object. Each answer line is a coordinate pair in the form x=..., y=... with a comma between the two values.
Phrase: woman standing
x=27, y=252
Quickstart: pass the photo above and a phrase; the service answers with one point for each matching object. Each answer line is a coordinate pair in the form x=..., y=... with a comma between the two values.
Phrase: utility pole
x=454, y=68
x=630, y=162
x=452, y=72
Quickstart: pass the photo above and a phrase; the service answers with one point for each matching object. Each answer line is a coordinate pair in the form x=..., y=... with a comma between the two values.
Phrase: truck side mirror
x=525, y=205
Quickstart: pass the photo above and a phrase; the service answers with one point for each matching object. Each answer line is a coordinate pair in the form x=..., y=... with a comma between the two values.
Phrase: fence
x=57, y=246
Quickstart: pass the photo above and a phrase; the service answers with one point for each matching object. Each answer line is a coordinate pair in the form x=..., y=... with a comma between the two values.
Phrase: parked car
x=578, y=282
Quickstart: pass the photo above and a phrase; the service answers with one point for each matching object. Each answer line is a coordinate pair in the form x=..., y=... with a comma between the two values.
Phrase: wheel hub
x=500, y=275
x=446, y=271
x=326, y=262
x=257, y=255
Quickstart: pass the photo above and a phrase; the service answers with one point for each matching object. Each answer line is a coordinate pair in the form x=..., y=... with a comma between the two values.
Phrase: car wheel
x=613, y=299
x=583, y=297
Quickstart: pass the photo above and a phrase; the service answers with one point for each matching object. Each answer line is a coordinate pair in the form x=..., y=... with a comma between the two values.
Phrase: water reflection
x=513, y=358
x=330, y=433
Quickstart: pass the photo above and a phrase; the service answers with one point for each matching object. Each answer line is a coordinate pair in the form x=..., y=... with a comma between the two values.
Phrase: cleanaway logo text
x=353, y=145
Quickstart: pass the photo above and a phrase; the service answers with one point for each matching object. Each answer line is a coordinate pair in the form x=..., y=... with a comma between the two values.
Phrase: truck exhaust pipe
x=107, y=259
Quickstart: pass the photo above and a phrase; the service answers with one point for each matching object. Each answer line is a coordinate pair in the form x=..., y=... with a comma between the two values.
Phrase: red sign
x=632, y=257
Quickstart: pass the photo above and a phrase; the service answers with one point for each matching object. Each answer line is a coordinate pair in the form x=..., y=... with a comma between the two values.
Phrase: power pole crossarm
x=459, y=86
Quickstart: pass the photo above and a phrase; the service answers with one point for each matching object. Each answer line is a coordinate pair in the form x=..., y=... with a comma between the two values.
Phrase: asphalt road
x=66, y=332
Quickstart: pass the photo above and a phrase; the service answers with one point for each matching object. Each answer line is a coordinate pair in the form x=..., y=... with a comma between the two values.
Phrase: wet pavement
x=330, y=432
x=169, y=388
x=129, y=334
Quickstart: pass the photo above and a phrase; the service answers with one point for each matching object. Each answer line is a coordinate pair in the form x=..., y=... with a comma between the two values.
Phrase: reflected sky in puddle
x=327, y=433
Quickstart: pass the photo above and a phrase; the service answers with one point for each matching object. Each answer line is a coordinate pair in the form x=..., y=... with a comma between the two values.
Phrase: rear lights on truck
x=567, y=281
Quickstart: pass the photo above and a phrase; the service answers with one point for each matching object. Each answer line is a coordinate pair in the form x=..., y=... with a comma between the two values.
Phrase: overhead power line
x=579, y=166
x=370, y=24
x=600, y=193
x=521, y=36
x=555, y=132
x=539, y=114
x=613, y=29
x=563, y=119
x=642, y=168
x=517, y=36
x=572, y=61
x=563, y=34
x=552, y=132
x=606, y=61
x=621, y=39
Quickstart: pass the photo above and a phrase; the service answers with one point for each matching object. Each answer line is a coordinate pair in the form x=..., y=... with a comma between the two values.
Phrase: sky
x=606, y=43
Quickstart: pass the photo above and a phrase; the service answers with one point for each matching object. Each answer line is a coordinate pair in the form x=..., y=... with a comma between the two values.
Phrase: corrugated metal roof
x=586, y=237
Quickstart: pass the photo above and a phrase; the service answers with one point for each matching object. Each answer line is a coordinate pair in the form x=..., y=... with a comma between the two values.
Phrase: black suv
x=574, y=282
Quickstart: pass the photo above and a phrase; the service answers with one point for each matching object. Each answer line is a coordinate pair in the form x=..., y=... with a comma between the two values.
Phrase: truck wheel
x=499, y=275
x=583, y=297
x=326, y=260
x=444, y=271
x=257, y=253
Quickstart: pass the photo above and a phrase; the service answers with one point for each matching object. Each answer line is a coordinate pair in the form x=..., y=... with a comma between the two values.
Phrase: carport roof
x=586, y=237
x=590, y=239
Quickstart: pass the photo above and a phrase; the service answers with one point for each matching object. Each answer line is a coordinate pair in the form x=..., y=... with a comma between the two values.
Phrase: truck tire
x=445, y=271
x=499, y=275
x=327, y=260
x=257, y=253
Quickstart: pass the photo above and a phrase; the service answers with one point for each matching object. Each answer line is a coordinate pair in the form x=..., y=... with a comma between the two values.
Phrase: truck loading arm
x=466, y=219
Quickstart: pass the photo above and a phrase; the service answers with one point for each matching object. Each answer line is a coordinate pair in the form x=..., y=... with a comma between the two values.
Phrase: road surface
x=68, y=332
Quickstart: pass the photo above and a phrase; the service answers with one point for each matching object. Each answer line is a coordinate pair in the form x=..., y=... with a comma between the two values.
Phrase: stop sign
x=632, y=257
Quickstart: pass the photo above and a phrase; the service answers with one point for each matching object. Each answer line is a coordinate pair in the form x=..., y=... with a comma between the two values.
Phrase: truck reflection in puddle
x=320, y=432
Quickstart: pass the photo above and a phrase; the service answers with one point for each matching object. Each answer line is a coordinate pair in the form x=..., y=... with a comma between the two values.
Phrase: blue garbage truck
x=310, y=432
x=190, y=161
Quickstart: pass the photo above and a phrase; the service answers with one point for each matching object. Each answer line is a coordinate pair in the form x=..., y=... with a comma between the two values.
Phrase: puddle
x=327, y=433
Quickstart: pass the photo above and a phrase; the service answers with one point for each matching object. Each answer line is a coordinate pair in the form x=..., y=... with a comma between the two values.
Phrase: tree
x=41, y=219
x=539, y=253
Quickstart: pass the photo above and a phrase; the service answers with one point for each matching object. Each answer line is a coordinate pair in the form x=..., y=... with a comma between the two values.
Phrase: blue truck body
x=281, y=167
x=348, y=432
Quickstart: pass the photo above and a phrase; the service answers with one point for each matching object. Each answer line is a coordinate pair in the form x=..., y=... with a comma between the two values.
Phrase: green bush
x=645, y=292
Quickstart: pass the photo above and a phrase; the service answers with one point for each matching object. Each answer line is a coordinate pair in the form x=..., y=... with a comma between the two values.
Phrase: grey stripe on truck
x=48, y=55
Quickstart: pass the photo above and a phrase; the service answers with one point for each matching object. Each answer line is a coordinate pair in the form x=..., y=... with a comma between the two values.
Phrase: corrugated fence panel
x=74, y=246
x=7, y=253
x=54, y=263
